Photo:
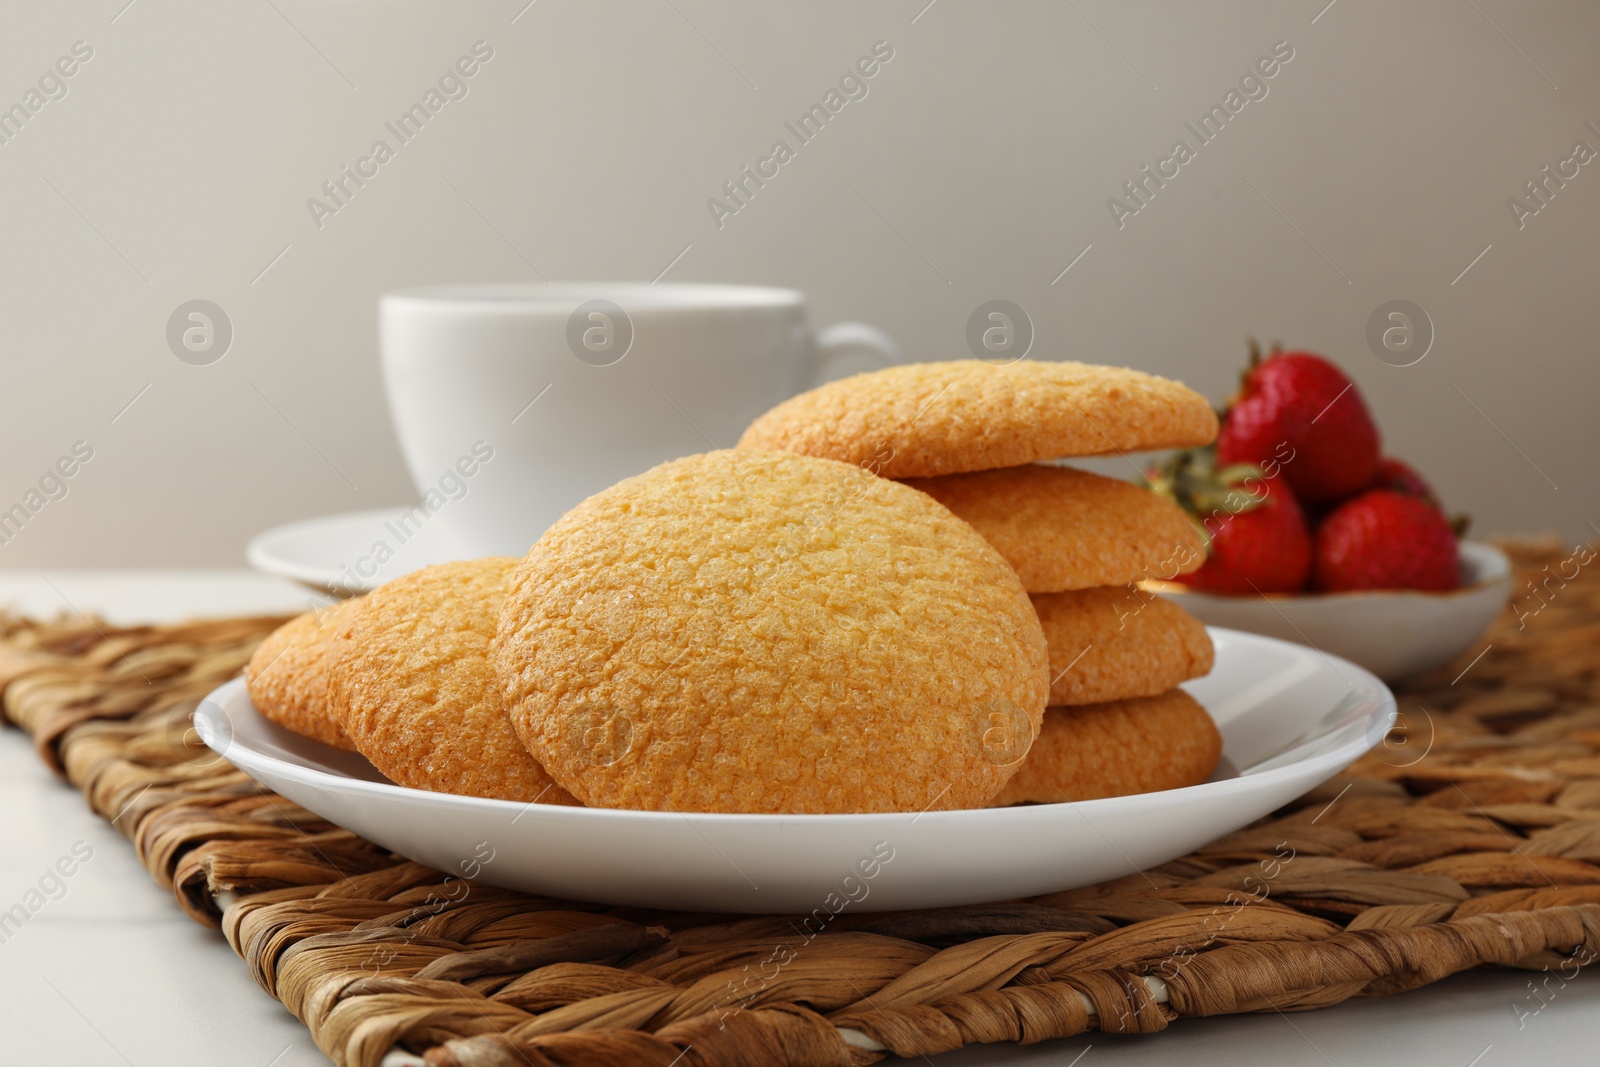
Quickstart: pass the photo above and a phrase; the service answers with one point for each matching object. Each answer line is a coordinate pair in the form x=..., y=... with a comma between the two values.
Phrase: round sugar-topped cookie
x=1115, y=643
x=1063, y=528
x=1117, y=749
x=287, y=676
x=412, y=685
x=747, y=631
x=924, y=419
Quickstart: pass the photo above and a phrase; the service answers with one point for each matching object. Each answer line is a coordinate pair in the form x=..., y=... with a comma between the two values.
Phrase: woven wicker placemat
x=1470, y=837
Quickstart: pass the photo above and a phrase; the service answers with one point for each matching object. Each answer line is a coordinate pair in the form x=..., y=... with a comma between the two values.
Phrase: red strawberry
x=1265, y=549
x=1258, y=536
x=1385, y=540
x=1399, y=476
x=1299, y=412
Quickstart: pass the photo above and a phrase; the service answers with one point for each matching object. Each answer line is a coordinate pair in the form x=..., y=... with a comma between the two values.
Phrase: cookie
x=924, y=419
x=412, y=685
x=1063, y=528
x=287, y=676
x=1117, y=749
x=747, y=631
x=1115, y=643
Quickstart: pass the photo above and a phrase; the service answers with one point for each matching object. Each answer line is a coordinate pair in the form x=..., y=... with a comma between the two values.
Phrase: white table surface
x=114, y=973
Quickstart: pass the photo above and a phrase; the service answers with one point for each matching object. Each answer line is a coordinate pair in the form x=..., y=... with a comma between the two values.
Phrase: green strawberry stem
x=1189, y=477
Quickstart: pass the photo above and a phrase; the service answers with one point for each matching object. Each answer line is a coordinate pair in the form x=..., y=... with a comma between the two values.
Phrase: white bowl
x=1394, y=634
x=1290, y=719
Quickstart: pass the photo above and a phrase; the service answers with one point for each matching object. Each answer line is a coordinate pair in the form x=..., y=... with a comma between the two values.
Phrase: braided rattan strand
x=1471, y=837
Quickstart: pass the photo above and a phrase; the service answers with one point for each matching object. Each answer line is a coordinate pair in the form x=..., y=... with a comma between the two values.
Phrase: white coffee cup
x=512, y=403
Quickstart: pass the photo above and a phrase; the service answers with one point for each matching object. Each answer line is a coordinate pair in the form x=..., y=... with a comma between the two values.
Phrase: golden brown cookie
x=924, y=419
x=412, y=685
x=288, y=675
x=1117, y=749
x=1115, y=643
x=749, y=631
x=1063, y=528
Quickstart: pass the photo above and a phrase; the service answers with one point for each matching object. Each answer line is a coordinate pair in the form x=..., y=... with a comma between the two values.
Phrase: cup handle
x=847, y=339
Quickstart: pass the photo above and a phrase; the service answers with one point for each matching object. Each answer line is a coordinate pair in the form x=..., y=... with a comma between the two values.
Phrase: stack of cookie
x=756, y=630
x=973, y=436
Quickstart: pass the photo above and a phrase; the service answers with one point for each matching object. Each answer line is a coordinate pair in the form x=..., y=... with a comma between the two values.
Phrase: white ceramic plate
x=350, y=553
x=1394, y=634
x=1290, y=717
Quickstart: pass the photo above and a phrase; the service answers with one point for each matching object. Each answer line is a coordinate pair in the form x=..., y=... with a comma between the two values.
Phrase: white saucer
x=340, y=554
x=1291, y=717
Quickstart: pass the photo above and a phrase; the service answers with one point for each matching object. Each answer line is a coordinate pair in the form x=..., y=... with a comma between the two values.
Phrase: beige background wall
x=178, y=164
